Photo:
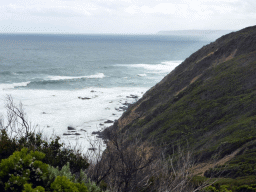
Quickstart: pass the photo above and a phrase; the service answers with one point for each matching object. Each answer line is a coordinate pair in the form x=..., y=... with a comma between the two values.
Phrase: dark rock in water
x=93, y=91
x=126, y=103
x=123, y=108
x=71, y=128
x=95, y=132
x=92, y=149
x=101, y=124
x=72, y=131
x=132, y=96
x=67, y=134
x=82, y=130
x=113, y=114
x=100, y=134
x=43, y=113
x=71, y=134
x=109, y=121
x=84, y=98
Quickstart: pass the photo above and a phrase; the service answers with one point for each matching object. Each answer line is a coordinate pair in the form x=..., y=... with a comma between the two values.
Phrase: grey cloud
x=101, y=16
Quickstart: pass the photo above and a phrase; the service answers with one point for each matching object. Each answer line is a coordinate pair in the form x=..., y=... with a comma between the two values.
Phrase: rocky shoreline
x=72, y=131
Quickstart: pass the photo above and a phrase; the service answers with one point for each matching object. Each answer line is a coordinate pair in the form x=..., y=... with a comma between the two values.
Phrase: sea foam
x=52, y=111
x=163, y=67
x=13, y=85
x=57, y=78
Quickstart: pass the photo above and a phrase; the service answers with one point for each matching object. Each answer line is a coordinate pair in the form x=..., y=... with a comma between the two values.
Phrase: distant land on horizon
x=206, y=34
x=193, y=32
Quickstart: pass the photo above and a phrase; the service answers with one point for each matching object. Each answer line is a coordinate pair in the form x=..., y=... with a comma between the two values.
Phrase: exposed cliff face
x=208, y=101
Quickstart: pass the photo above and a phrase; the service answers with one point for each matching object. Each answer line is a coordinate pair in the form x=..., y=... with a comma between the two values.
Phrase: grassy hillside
x=208, y=102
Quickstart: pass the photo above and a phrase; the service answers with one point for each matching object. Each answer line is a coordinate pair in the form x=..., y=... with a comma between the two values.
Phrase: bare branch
x=17, y=124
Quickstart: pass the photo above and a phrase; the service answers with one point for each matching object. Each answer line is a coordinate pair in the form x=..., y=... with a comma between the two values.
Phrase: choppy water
x=50, y=74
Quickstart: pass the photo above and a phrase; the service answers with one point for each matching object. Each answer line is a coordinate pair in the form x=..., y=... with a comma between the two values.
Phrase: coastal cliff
x=208, y=104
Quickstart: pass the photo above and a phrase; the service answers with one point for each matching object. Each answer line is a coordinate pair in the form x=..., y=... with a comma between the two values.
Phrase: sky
x=124, y=16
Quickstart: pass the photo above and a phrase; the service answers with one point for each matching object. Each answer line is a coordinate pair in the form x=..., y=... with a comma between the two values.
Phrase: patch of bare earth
x=192, y=81
x=201, y=168
x=211, y=53
x=224, y=59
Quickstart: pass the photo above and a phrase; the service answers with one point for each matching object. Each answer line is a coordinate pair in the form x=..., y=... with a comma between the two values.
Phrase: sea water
x=82, y=81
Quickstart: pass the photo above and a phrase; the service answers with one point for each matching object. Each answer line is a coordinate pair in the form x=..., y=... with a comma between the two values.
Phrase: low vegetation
x=208, y=102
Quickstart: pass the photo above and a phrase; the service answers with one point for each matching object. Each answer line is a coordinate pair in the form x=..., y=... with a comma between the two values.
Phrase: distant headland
x=205, y=34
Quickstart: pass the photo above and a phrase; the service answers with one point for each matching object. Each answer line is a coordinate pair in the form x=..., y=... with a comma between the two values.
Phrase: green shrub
x=246, y=188
x=222, y=188
x=7, y=145
x=23, y=167
x=62, y=183
x=65, y=171
x=91, y=186
x=28, y=188
x=56, y=154
x=25, y=171
x=198, y=181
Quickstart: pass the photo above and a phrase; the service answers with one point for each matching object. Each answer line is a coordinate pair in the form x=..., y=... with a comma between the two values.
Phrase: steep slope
x=208, y=101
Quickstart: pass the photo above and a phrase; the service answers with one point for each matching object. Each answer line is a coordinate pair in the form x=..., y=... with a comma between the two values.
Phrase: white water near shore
x=86, y=110
x=163, y=67
x=53, y=111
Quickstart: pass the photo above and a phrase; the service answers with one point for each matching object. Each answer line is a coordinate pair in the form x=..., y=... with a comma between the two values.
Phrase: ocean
x=84, y=81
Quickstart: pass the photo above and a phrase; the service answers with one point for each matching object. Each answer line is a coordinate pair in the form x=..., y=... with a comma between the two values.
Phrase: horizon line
x=77, y=33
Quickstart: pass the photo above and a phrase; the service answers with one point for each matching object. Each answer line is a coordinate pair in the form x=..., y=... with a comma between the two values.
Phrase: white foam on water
x=57, y=78
x=142, y=75
x=54, y=110
x=163, y=67
x=13, y=85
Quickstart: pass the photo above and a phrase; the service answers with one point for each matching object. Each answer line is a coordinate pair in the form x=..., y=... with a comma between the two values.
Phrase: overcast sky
x=124, y=16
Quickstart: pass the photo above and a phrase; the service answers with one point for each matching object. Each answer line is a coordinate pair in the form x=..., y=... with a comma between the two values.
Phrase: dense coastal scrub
x=207, y=103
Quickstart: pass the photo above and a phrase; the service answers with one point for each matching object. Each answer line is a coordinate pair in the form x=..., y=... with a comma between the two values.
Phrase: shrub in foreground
x=25, y=171
x=21, y=168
